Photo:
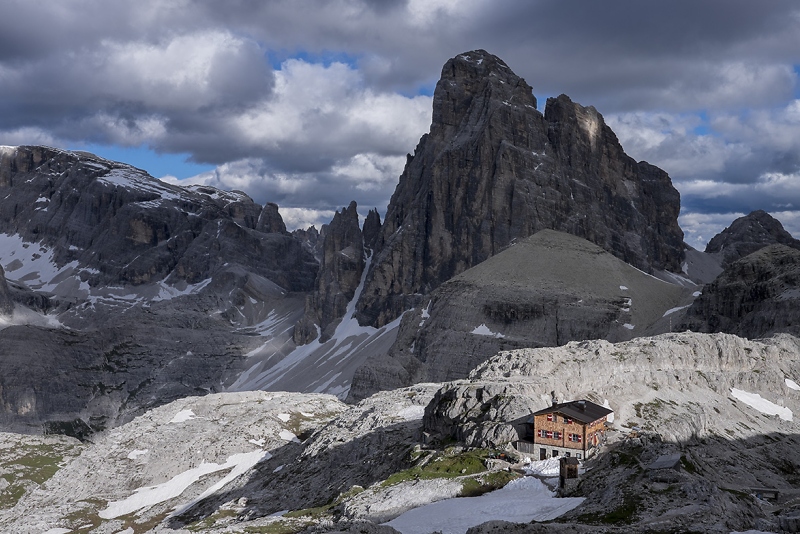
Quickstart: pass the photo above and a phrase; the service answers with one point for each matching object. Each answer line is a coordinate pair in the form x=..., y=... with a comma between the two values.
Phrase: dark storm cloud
x=194, y=76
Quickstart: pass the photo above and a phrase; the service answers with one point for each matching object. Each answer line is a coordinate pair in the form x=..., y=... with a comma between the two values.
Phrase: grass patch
x=475, y=487
x=279, y=527
x=625, y=514
x=443, y=466
x=24, y=466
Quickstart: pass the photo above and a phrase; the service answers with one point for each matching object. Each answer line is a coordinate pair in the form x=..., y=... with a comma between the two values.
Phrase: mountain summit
x=494, y=169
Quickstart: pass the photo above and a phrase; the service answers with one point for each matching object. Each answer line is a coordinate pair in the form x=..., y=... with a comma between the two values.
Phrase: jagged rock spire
x=494, y=169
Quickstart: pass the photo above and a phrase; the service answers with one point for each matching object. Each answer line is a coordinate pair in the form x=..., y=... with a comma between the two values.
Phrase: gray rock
x=6, y=302
x=754, y=297
x=340, y=272
x=372, y=229
x=493, y=169
x=545, y=290
x=748, y=234
x=134, y=229
x=270, y=220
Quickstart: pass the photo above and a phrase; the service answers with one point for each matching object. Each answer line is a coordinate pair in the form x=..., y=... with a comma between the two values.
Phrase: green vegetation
x=24, y=466
x=280, y=527
x=624, y=514
x=445, y=465
x=474, y=487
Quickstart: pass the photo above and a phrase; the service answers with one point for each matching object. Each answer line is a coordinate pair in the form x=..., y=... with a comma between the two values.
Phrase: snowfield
x=754, y=400
x=521, y=501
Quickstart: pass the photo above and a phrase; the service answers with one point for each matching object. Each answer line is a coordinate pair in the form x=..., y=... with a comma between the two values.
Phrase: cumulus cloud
x=707, y=94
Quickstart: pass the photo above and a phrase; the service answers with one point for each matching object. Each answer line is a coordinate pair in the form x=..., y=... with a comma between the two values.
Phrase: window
x=555, y=453
x=540, y=433
x=549, y=434
x=567, y=454
x=567, y=420
x=557, y=435
x=576, y=438
x=550, y=417
x=578, y=455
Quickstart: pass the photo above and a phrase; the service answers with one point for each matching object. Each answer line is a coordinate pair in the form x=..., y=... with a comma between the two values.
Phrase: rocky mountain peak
x=748, y=234
x=270, y=220
x=342, y=264
x=371, y=230
x=754, y=297
x=469, y=83
x=493, y=170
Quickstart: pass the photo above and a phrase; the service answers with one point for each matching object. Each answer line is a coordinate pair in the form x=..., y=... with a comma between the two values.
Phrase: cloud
x=704, y=92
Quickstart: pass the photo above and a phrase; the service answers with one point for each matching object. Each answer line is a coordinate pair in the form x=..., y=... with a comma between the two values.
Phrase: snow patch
x=609, y=417
x=152, y=495
x=286, y=435
x=544, y=468
x=411, y=413
x=483, y=330
x=520, y=501
x=284, y=417
x=56, y=530
x=791, y=384
x=134, y=454
x=629, y=326
x=697, y=294
x=673, y=310
x=425, y=314
x=257, y=442
x=183, y=415
x=277, y=469
x=623, y=288
x=756, y=401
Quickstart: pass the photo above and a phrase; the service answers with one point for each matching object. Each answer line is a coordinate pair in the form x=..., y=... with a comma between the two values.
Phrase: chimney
x=553, y=398
x=582, y=405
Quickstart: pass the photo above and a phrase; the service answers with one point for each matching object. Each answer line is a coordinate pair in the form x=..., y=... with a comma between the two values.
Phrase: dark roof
x=569, y=461
x=666, y=461
x=580, y=410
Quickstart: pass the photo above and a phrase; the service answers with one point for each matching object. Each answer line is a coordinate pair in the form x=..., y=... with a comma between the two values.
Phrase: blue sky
x=311, y=103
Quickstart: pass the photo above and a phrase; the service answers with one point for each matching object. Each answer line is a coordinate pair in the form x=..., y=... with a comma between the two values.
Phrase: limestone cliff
x=755, y=296
x=545, y=290
x=748, y=234
x=494, y=169
x=133, y=229
x=341, y=266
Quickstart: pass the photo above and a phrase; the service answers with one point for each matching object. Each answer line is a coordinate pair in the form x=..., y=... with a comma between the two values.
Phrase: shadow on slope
x=313, y=474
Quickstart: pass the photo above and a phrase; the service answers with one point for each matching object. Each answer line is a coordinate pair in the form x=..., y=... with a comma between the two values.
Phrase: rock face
x=494, y=169
x=6, y=304
x=131, y=292
x=339, y=275
x=372, y=229
x=660, y=374
x=134, y=229
x=545, y=290
x=755, y=296
x=232, y=461
x=748, y=234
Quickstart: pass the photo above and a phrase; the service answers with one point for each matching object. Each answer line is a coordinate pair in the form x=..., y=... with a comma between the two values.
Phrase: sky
x=312, y=104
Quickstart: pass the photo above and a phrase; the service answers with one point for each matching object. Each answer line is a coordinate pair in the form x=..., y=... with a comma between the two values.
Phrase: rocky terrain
x=494, y=169
x=123, y=293
x=130, y=292
x=756, y=296
x=228, y=462
x=545, y=290
x=748, y=234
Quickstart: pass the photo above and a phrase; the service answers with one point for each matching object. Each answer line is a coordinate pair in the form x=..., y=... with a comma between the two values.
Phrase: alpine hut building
x=571, y=429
